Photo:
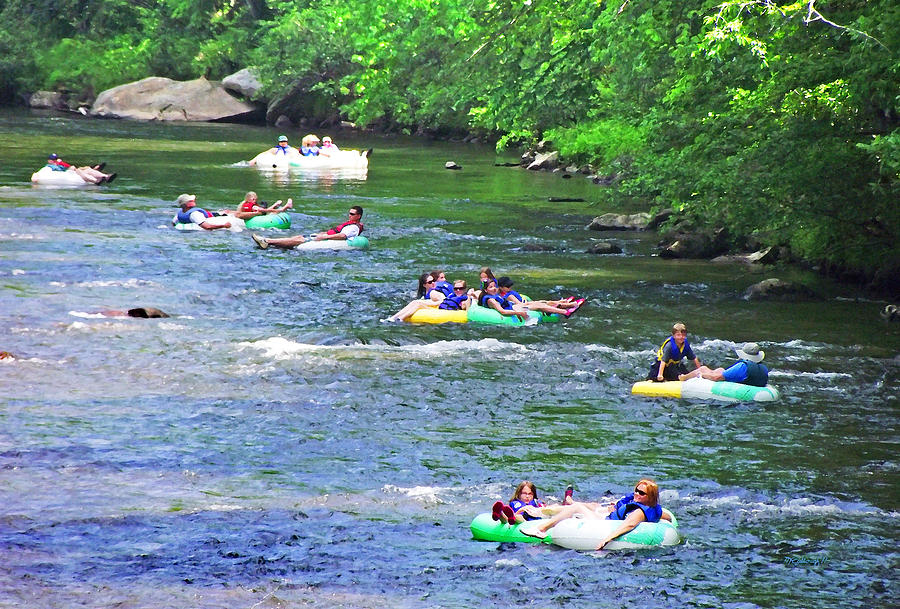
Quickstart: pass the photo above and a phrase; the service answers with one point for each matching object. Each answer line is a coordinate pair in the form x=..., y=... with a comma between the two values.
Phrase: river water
x=272, y=444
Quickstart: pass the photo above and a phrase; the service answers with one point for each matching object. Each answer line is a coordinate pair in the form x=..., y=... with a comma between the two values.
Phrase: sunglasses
x=429, y=281
x=459, y=287
x=353, y=213
x=638, y=491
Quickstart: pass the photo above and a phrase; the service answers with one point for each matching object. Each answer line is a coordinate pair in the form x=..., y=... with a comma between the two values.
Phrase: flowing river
x=273, y=444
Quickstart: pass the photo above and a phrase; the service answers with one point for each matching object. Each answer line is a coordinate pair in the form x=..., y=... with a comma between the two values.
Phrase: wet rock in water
x=777, y=288
x=451, y=165
x=565, y=200
x=620, y=222
x=697, y=244
x=542, y=160
x=764, y=256
x=604, y=247
x=890, y=313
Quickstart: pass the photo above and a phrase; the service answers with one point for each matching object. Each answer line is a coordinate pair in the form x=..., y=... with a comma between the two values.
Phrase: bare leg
x=287, y=242
x=407, y=311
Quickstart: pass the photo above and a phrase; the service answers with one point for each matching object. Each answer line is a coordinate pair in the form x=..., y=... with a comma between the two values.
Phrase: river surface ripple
x=272, y=444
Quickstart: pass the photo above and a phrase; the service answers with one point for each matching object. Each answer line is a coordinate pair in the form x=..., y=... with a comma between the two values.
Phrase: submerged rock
x=620, y=222
x=604, y=247
x=777, y=288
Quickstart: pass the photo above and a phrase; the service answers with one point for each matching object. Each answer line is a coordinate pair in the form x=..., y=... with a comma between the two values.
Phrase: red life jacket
x=339, y=227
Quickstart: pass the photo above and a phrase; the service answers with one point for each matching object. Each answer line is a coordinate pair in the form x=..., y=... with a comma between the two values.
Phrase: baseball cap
x=53, y=157
x=504, y=282
x=184, y=199
x=282, y=138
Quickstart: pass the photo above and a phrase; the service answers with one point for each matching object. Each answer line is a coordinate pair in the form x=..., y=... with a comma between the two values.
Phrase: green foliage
x=599, y=142
x=774, y=120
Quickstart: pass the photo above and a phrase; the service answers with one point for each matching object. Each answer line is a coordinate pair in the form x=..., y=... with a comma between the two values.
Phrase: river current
x=273, y=444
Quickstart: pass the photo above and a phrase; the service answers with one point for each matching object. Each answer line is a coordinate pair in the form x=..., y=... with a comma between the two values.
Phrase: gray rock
x=285, y=122
x=243, y=82
x=543, y=160
x=620, y=222
x=451, y=165
x=48, y=99
x=163, y=99
x=698, y=244
x=604, y=247
x=777, y=288
x=765, y=256
x=660, y=218
x=544, y=145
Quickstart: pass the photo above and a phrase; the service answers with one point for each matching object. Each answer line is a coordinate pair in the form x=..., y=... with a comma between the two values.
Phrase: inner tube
x=280, y=220
x=237, y=225
x=48, y=177
x=479, y=315
x=580, y=533
x=705, y=389
x=345, y=159
x=359, y=243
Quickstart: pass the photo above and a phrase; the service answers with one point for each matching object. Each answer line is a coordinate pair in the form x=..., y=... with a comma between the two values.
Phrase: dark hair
x=359, y=209
x=484, y=293
x=421, y=291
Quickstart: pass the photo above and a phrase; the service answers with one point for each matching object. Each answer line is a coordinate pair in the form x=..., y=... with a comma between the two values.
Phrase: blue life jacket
x=56, y=167
x=453, y=302
x=757, y=374
x=184, y=217
x=517, y=505
x=286, y=150
x=516, y=294
x=445, y=287
x=677, y=354
x=627, y=504
x=309, y=151
x=504, y=304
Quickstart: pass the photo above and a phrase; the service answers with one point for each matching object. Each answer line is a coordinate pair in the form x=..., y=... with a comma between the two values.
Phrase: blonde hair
x=679, y=327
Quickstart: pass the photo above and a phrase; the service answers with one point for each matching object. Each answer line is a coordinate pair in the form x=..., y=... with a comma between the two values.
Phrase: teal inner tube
x=482, y=315
x=280, y=220
x=358, y=241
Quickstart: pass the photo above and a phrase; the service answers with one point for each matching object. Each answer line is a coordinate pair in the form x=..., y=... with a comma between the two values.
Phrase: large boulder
x=164, y=99
x=244, y=83
x=620, y=222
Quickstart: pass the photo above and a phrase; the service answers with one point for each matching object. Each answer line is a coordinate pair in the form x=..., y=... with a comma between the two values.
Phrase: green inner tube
x=280, y=220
